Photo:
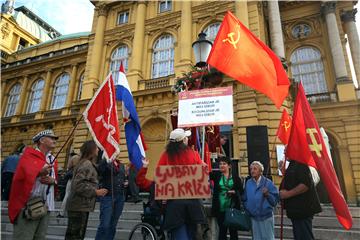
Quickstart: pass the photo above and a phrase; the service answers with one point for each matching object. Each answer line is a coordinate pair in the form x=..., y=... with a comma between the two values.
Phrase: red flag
x=241, y=55
x=101, y=118
x=306, y=145
x=284, y=128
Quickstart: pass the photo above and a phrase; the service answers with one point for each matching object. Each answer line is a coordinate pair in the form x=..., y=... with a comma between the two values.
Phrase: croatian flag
x=134, y=141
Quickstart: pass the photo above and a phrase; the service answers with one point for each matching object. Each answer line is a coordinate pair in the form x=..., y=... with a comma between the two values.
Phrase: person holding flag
x=300, y=199
x=306, y=147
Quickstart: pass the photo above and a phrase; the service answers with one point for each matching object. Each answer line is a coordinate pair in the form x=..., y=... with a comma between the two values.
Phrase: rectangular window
x=123, y=18
x=22, y=44
x=164, y=6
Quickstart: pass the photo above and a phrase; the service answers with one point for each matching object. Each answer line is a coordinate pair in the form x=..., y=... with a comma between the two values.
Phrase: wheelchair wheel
x=143, y=231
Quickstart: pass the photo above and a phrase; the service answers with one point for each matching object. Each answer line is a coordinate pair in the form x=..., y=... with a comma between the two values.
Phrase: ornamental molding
x=313, y=22
x=5, y=30
x=348, y=16
x=172, y=20
x=102, y=9
x=328, y=7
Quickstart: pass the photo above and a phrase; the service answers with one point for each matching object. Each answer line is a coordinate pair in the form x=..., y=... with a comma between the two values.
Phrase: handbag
x=238, y=219
x=35, y=209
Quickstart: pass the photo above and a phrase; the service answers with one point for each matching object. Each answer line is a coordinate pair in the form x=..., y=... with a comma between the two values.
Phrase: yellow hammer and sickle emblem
x=230, y=37
x=316, y=147
x=211, y=129
x=286, y=125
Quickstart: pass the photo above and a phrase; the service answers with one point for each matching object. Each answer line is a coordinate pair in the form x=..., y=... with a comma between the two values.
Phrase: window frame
x=168, y=6
x=207, y=28
x=81, y=81
x=317, y=62
x=61, y=94
x=126, y=13
x=33, y=98
x=10, y=102
x=160, y=50
x=116, y=60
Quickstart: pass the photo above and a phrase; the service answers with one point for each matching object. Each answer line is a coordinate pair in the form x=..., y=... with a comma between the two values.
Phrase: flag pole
x=69, y=136
x=203, y=144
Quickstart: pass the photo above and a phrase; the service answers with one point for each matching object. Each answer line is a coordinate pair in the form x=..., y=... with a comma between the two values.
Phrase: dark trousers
x=77, y=224
x=302, y=229
x=6, y=179
x=223, y=229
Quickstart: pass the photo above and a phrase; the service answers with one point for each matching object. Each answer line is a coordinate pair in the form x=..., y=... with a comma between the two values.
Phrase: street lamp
x=202, y=48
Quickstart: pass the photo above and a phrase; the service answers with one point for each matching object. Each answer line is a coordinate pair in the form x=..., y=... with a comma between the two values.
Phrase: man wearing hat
x=34, y=178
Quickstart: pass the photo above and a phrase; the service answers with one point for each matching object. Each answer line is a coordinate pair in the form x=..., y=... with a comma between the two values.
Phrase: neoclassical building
x=50, y=84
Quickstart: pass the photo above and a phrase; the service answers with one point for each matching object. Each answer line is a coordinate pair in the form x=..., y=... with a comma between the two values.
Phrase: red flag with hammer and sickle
x=101, y=118
x=284, y=128
x=306, y=145
x=238, y=53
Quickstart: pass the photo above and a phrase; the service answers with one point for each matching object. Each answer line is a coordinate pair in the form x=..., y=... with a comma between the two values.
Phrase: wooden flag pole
x=69, y=136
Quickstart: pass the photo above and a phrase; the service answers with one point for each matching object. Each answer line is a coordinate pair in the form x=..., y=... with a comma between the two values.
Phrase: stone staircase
x=325, y=224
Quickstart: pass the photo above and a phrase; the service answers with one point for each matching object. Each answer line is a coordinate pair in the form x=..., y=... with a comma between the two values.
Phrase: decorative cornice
x=349, y=16
x=102, y=9
x=312, y=21
x=328, y=7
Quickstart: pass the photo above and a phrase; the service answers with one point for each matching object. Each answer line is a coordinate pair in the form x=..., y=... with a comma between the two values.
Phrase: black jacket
x=238, y=187
x=104, y=171
x=303, y=205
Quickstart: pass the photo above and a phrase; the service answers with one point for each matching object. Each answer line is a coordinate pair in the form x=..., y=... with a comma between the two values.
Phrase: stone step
x=319, y=233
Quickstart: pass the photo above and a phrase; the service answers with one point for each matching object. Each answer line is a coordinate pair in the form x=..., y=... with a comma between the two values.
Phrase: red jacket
x=188, y=157
x=30, y=164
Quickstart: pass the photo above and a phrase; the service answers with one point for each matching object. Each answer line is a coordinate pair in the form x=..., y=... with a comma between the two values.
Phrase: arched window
x=35, y=96
x=307, y=67
x=119, y=55
x=60, y=91
x=163, y=57
x=211, y=31
x=80, y=86
x=14, y=97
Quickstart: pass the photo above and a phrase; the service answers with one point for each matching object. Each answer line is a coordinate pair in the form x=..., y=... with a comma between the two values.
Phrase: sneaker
x=60, y=216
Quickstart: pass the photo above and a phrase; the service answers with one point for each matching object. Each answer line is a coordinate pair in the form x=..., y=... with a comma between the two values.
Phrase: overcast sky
x=66, y=16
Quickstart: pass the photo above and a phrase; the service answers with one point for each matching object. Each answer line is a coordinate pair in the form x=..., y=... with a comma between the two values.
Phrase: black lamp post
x=202, y=48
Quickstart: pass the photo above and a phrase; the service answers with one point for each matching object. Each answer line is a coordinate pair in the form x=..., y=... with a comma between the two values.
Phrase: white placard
x=280, y=154
x=212, y=106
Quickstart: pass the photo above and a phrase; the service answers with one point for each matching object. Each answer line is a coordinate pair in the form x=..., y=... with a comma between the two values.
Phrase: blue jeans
x=109, y=217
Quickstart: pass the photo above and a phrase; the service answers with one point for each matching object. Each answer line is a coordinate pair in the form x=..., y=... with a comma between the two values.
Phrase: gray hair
x=259, y=164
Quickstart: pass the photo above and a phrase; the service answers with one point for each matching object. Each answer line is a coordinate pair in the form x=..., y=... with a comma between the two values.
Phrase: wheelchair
x=150, y=227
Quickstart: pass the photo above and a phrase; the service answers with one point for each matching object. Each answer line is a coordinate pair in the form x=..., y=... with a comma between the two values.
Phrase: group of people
x=91, y=179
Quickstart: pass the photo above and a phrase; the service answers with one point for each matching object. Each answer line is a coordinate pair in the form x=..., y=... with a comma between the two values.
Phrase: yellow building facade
x=50, y=84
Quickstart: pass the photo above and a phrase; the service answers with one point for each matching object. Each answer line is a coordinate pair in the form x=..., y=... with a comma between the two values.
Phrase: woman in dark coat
x=227, y=191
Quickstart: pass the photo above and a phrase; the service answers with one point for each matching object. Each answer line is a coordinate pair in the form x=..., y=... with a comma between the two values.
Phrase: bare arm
x=299, y=189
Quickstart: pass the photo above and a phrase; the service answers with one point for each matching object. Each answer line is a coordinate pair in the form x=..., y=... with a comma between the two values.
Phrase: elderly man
x=33, y=188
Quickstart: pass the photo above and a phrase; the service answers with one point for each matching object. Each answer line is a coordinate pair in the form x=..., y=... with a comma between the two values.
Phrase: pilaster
x=277, y=41
x=135, y=73
x=23, y=96
x=348, y=18
x=93, y=80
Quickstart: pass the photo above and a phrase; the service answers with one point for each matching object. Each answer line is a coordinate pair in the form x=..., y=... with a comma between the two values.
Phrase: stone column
x=71, y=90
x=23, y=95
x=92, y=81
x=348, y=19
x=135, y=71
x=276, y=36
x=345, y=87
x=45, y=96
x=185, y=32
x=241, y=12
x=328, y=11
